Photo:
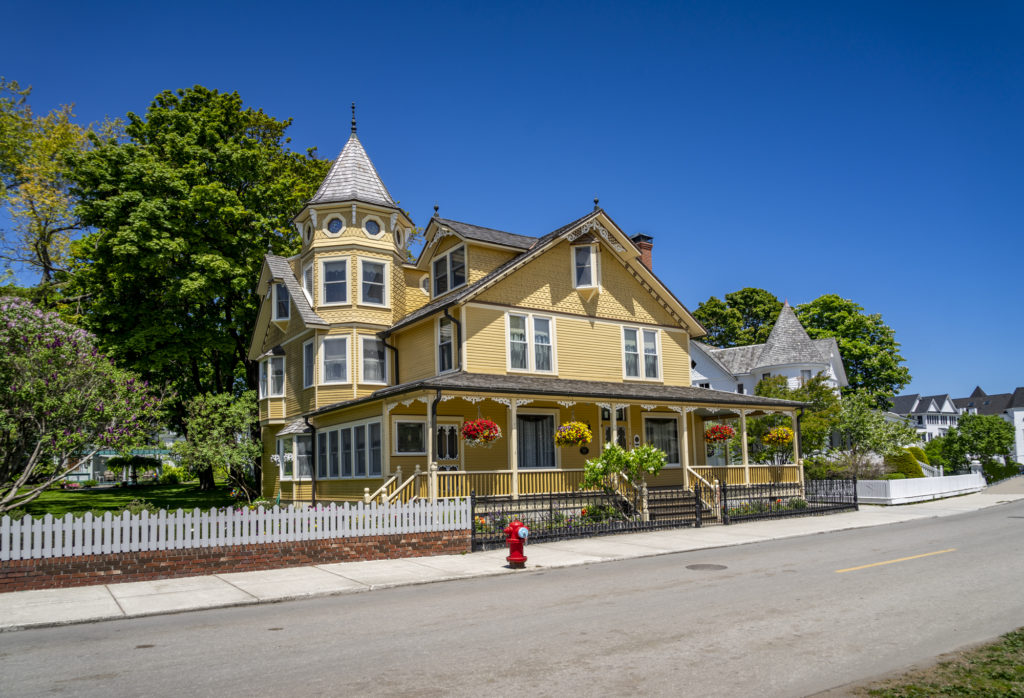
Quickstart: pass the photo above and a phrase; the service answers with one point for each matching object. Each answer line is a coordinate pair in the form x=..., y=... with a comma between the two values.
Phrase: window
x=535, y=435
x=705, y=385
x=334, y=225
x=805, y=375
x=447, y=442
x=640, y=353
x=371, y=227
x=765, y=376
x=524, y=332
x=281, y=305
x=308, y=364
x=272, y=377
x=445, y=346
x=373, y=283
x=335, y=360
x=285, y=457
x=584, y=266
x=307, y=281
x=739, y=388
x=334, y=287
x=351, y=451
x=374, y=364
x=409, y=438
x=303, y=457
x=663, y=433
x=449, y=270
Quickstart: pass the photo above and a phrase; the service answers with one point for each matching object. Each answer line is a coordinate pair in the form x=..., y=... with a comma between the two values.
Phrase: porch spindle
x=743, y=441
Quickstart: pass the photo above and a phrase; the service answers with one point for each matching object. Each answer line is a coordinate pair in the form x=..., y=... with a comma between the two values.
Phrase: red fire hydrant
x=515, y=535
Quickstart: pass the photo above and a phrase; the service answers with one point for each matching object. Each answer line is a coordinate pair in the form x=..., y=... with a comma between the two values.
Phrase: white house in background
x=930, y=415
x=1009, y=406
x=789, y=352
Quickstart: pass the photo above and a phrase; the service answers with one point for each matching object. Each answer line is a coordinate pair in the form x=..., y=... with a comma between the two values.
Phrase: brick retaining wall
x=114, y=568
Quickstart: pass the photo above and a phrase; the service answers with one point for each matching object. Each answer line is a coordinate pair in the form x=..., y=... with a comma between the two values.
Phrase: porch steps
x=673, y=503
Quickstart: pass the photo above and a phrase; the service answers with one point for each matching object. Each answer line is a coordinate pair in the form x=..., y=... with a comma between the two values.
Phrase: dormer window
x=449, y=270
x=282, y=307
x=585, y=272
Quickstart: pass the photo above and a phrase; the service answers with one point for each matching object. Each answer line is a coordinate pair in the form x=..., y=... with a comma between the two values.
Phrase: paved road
x=778, y=620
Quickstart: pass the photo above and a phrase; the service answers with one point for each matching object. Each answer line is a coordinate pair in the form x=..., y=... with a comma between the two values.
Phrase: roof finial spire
x=595, y=203
x=353, y=117
x=435, y=209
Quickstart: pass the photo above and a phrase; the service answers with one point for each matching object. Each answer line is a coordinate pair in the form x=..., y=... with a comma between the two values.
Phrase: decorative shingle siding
x=484, y=260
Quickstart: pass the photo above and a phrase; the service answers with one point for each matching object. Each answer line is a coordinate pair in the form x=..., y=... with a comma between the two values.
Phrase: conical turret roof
x=788, y=342
x=353, y=178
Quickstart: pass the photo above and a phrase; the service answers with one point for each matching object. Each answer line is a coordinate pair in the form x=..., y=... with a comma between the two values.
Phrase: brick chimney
x=645, y=243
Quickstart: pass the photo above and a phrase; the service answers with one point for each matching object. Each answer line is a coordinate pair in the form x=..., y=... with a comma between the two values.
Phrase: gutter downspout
x=312, y=469
x=394, y=349
x=458, y=337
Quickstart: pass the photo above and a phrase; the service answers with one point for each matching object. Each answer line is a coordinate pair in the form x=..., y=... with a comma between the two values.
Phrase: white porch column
x=685, y=451
x=385, y=441
x=743, y=442
x=796, y=448
x=513, y=445
x=615, y=424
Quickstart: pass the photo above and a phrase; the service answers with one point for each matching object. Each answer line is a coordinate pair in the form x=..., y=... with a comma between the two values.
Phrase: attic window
x=281, y=300
x=585, y=270
x=449, y=270
x=334, y=225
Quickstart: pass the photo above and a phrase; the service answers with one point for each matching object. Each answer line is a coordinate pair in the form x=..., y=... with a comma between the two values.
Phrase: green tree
x=868, y=346
x=615, y=461
x=820, y=416
x=866, y=433
x=982, y=436
x=745, y=317
x=219, y=443
x=184, y=208
x=62, y=401
x=933, y=449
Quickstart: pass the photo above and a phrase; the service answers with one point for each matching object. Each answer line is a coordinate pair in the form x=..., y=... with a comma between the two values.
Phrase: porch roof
x=463, y=382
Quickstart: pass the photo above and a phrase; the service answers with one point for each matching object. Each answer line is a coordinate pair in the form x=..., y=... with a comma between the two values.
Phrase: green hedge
x=905, y=463
x=919, y=454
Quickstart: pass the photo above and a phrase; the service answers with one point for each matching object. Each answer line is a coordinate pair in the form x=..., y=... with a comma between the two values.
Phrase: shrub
x=797, y=503
x=919, y=454
x=821, y=468
x=90, y=483
x=905, y=463
x=172, y=475
x=995, y=471
x=894, y=476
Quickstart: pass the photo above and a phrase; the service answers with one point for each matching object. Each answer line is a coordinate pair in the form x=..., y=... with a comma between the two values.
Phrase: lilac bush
x=62, y=401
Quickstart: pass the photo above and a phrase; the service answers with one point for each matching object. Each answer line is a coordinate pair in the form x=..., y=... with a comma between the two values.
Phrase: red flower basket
x=480, y=432
x=719, y=433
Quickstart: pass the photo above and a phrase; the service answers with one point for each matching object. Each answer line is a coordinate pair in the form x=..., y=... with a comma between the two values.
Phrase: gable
x=545, y=283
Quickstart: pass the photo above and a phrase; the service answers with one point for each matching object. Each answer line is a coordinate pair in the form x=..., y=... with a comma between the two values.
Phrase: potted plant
x=719, y=433
x=480, y=432
x=573, y=434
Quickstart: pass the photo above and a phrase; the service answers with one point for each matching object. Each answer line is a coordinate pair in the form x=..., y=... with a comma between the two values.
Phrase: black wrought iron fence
x=750, y=502
x=562, y=515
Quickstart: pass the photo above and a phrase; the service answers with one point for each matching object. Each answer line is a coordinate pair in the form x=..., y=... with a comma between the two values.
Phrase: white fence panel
x=917, y=489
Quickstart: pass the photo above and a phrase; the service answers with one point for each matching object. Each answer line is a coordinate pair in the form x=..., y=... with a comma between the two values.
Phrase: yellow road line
x=889, y=562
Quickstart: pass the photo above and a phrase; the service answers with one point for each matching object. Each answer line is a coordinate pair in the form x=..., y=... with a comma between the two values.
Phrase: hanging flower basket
x=778, y=437
x=719, y=433
x=573, y=434
x=480, y=432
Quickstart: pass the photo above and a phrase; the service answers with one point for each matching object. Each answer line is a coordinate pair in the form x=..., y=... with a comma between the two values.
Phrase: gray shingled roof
x=280, y=269
x=353, y=178
x=904, y=404
x=560, y=387
x=739, y=359
x=497, y=237
x=788, y=342
x=296, y=426
x=989, y=404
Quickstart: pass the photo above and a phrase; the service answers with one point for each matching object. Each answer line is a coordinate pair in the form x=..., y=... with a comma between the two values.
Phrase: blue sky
x=873, y=150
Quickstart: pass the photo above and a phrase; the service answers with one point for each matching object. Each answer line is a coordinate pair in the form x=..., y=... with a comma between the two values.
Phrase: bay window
x=373, y=282
x=373, y=361
x=335, y=360
x=334, y=284
x=350, y=451
x=272, y=377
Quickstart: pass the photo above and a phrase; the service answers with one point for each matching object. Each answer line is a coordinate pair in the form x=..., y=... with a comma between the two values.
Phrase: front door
x=536, y=440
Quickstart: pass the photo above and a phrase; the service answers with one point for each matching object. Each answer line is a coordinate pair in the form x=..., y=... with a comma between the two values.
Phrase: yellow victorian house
x=371, y=363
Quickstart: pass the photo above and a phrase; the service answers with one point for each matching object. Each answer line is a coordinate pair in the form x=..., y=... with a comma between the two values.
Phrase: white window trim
x=322, y=356
x=294, y=477
x=640, y=350
x=437, y=347
x=387, y=282
x=531, y=355
x=311, y=383
x=327, y=222
x=307, y=232
x=273, y=302
x=378, y=221
x=448, y=255
x=395, y=420
x=353, y=425
x=644, y=416
x=557, y=414
x=270, y=377
x=363, y=338
x=302, y=281
x=323, y=277
x=595, y=267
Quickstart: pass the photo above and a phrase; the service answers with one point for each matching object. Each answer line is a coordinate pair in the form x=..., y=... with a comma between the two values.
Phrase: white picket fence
x=68, y=536
x=917, y=489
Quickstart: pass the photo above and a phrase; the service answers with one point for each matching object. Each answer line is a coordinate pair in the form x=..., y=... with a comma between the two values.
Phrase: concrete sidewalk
x=49, y=607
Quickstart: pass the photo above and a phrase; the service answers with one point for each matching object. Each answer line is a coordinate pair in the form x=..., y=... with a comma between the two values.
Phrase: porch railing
x=759, y=474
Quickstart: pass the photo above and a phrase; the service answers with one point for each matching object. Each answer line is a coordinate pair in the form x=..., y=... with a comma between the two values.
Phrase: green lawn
x=996, y=669
x=187, y=496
